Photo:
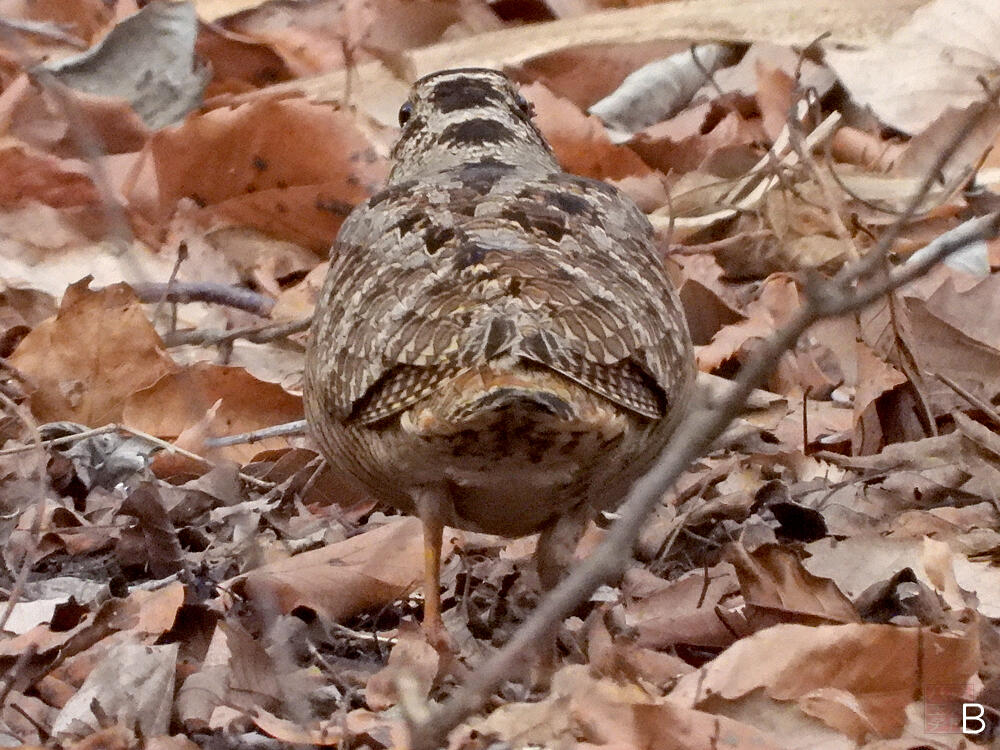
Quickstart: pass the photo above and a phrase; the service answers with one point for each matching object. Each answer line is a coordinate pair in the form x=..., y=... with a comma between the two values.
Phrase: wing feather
x=563, y=272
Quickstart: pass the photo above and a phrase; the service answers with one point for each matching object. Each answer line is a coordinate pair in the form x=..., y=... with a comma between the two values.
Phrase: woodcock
x=497, y=346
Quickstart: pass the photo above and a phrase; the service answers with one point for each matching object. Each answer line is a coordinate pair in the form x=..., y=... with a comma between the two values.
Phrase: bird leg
x=557, y=545
x=553, y=557
x=429, y=505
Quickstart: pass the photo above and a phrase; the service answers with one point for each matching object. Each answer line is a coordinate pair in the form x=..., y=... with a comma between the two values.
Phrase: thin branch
x=299, y=427
x=977, y=401
x=152, y=439
x=64, y=440
x=875, y=257
x=211, y=292
x=182, y=255
x=706, y=421
x=256, y=335
x=726, y=243
x=831, y=204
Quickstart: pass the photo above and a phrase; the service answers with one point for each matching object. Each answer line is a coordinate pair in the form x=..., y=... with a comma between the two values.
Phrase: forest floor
x=171, y=180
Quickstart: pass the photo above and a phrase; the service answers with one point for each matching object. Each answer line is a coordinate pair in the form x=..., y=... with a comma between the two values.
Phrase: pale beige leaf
x=932, y=61
x=134, y=685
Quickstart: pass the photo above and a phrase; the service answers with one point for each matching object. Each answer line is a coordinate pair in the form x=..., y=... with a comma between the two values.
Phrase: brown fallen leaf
x=580, y=141
x=585, y=713
x=157, y=609
x=29, y=173
x=238, y=63
x=621, y=658
x=935, y=58
x=875, y=378
x=240, y=165
x=26, y=718
x=99, y=349
x=860, y=562
x=779, y=296
x=85, y=19
x=152, y=540
x=384, y=728
x=854, y=22
x=685, y=611
x=342, y=579
x=871, y=672
x=412, y=658
x=237, y=672
x=323, y=733
x=685, y=143
x=115, y=737
x=175, y=742
x=773, y=580
x=560, y=70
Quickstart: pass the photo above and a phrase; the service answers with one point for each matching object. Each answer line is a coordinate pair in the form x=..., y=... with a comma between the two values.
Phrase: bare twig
x=205, y=291
x=874, y=258
x=832, y=205
x=152, y=439
x=726, y=243
x=357, y=635
x=182, y=254
x=298, y=427
x=256, y=335
x=64, y=440
x=854, y=287
x=977, y=401
x=748, y=191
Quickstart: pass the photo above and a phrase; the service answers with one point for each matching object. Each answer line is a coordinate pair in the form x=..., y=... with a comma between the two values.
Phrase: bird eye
x=405, y=112
x=527, y=107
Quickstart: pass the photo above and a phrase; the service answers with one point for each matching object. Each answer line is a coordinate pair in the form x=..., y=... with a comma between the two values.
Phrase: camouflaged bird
x=496, y=346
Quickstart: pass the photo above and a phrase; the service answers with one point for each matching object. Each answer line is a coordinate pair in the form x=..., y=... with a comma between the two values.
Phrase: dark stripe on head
x=482, y=176
x=476, y=131
x=464, y=93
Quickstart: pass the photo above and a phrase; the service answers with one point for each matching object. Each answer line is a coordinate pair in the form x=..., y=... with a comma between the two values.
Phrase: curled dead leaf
x=342, y=579
x=873, y=670
x=87, y=360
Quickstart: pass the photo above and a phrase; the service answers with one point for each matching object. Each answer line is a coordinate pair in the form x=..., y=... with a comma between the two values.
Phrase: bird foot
x=438, y=638
x=437, y=635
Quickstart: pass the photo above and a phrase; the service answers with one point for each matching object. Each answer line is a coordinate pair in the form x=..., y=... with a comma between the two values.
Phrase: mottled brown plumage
x=497, y=346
